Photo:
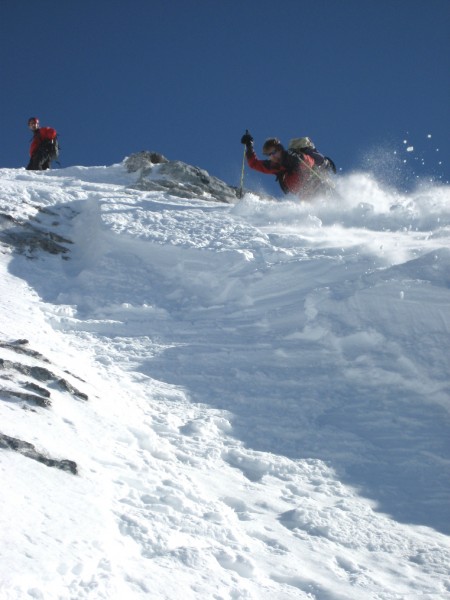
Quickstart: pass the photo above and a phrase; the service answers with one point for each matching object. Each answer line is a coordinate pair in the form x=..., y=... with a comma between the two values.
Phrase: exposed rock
x=21, y=347
x=10, y=443
x=35, y=399
x=27, y=238
x=177, y=178
x=37, y=389
x=27, y=242
x=42, y=374
x=143, y=160
x=19, y=378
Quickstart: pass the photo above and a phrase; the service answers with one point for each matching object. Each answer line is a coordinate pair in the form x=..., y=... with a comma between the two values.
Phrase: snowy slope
x=255, y=395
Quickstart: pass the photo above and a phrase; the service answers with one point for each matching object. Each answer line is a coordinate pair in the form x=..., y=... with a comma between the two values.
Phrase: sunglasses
x=272, y=152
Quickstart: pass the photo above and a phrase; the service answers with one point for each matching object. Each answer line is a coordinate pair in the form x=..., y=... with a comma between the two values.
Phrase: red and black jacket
x=40, y=135
x=292, y=173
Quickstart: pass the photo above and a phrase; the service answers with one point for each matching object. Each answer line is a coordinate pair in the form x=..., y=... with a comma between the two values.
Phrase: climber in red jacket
x=297, y=171
x=44, y=146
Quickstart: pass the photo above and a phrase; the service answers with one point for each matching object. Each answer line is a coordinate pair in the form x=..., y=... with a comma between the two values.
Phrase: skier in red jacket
x=44, y=146
x=295, y=171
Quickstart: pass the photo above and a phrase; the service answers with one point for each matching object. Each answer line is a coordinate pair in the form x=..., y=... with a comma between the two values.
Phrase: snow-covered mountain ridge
x=254, y=393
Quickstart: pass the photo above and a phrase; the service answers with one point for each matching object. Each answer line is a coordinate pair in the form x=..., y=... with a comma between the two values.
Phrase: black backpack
x=304, y=145
x=48, y=150
x=53, y=148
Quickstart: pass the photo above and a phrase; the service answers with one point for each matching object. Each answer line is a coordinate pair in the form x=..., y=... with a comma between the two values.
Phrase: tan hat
x=300, y=143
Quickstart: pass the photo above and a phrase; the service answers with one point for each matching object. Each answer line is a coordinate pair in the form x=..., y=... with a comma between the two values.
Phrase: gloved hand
x=247, y=139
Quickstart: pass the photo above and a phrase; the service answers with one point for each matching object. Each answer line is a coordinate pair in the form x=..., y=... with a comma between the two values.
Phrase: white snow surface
x=268, y=394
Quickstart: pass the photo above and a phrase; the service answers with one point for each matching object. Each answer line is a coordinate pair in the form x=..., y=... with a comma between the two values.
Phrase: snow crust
x=268, y=384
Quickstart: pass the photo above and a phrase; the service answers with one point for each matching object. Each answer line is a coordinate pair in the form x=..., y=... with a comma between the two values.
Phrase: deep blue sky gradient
x=187, y=77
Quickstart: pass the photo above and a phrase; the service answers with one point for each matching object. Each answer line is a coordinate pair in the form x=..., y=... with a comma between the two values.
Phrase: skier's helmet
x=33, y=120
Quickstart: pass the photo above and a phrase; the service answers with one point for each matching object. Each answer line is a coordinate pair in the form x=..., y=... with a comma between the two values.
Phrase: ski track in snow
x=268, y=411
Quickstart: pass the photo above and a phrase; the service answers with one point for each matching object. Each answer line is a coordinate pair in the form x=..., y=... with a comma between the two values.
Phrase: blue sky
x=362, y=78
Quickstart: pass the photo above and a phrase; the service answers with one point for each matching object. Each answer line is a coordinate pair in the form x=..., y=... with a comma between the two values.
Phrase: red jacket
x=292, y=173
x=41, y=134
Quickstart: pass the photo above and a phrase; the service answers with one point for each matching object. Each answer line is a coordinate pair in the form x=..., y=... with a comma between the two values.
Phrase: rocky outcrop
x=157, y=173
x=11, y=443
x=143, y=161
x=25, y=375
x=27, y=237
x=28, y=382
x=40, y=374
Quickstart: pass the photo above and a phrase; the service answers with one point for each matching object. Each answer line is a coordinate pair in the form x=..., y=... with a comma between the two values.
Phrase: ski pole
x=327, y=182
x=239, y=195
x=322, y=179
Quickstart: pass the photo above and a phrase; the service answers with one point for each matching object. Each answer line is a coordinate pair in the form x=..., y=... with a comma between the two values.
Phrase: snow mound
x=209, y=398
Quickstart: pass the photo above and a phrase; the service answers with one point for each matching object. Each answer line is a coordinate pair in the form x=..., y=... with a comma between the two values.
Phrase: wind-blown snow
x=268, y=393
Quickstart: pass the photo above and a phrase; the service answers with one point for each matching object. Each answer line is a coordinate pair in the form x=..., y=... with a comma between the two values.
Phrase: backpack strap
x=316, y=155
x=324, y=162
x=291, y=160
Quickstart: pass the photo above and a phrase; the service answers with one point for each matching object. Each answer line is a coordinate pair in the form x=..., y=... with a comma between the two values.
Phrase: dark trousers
x=38, y=163
x=41, y=159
